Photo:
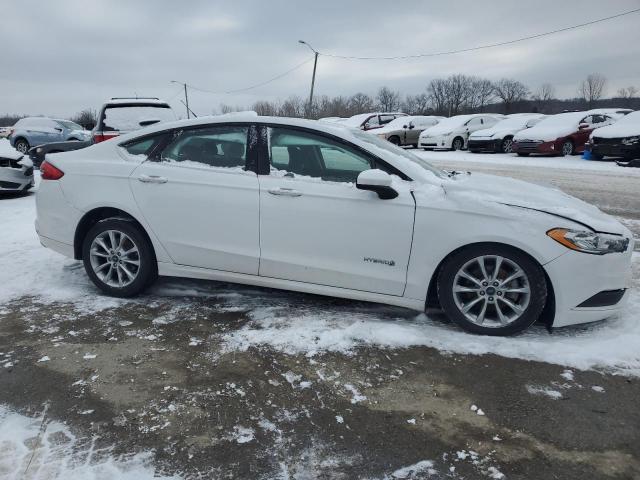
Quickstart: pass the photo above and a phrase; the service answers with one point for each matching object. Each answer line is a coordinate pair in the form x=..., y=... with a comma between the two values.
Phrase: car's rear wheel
x=507, y=145
x=457, y=144
x=567, y=148
x=22, y=145
x=118, y=257
x=492, y=289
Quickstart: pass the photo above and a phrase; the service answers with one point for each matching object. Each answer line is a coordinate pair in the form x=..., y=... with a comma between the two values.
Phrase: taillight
x=49, y=172
x=102, y=136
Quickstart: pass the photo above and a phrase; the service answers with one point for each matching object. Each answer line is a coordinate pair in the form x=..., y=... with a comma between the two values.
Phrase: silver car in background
x=406, y=130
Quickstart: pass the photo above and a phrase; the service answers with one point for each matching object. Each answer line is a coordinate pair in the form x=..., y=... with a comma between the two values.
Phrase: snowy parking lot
x=200, y=379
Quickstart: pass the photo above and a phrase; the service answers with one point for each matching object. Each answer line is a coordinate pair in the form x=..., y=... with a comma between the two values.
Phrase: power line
x=244, y=89
x=481, y=47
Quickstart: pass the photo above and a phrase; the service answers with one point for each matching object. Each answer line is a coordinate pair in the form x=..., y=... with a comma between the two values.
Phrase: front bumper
x=616, y=150
x=16, y=179
x=485, y=145
x=535, y=146
x=437, y=142
x=578, y=278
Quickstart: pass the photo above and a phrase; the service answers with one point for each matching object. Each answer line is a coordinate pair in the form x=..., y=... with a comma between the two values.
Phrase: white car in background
x=499, y=138
x=453, y=133
x=406, y=130
x=370, y=121
x=16, y=170
x=307, y=206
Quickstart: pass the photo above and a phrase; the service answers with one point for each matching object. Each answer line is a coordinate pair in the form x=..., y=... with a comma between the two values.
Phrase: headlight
x=630, y=140
x=382, y=135
x=589, y=242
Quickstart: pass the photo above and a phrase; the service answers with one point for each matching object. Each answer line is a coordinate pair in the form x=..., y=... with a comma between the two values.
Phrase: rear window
x=127, y=118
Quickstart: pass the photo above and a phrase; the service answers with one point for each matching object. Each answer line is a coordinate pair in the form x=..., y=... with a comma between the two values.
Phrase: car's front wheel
x=492, y=289
x=507, y=145
x=567, y=148
x=118, y=257
x=22, y=145
x=457, y=144
x=395, y=140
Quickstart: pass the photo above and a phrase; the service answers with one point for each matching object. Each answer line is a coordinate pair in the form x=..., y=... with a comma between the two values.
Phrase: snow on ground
x=574, y=162
x=294, y=323
x=38, y=449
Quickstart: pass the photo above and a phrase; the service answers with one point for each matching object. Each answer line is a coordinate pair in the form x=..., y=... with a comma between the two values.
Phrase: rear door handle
x=286, y=192
x=152, y=179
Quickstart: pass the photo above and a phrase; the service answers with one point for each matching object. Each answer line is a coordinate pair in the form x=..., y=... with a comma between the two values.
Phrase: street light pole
x=186, y=96
x=313, y=78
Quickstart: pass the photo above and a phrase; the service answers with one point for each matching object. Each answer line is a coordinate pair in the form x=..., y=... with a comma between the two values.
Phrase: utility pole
x=186, y=96
x=313, y=78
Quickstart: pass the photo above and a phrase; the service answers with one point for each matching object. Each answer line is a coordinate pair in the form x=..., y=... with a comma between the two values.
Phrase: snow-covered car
x=453, y=133
x=406, y=130
x=499, y=138
x=622, y=139
x=562, y=134
x=31, y=131
x=370, y=121
x=123, y=115
x=309, y=206
x=5, y=131
x=16, y=171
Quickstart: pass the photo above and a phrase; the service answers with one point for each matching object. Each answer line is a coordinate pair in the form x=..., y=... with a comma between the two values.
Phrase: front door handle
x=286, y=192
x=152, y=179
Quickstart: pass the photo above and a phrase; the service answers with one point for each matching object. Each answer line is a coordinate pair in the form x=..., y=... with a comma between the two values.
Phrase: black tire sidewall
x=456, y=140
x=532, y=269
x=22, y=140
x=148, y=265
x=395, y=140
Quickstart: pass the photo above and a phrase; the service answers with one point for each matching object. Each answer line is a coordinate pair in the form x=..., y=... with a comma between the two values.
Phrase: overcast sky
x=59, y=57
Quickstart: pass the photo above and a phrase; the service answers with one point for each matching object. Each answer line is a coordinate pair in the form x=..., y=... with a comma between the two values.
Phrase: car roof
x=135, y=101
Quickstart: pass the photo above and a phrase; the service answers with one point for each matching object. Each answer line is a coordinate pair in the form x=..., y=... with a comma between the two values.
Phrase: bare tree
x=627, y=92
x=388, y=100
x=416, y=104
x=480, y=93
x=438, y=95
x=592, y=88
x=293, y=107
x=543, y=97
x=360, y=103
x=264, y=107
x=510, y=91
x=87, y=118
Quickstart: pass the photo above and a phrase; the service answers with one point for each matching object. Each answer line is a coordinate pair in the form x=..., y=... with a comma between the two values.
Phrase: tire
x=457, y=144
x=144, y=273
x=527, y=292
x=567, y=148
x=507, y=145
x=523, y=154
x=22, y=145
x=395, y=140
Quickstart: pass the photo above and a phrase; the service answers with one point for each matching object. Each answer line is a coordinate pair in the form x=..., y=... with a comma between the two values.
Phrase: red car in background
x=562, y=134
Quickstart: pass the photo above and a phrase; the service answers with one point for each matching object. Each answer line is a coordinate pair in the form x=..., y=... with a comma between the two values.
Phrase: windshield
x=130, y=117
x=70, y=125
x=391, y=148
x=562, y=119
x=514, y=122
x=453, y=122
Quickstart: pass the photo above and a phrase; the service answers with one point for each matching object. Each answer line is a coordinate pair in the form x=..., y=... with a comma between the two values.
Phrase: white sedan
x=311, y=207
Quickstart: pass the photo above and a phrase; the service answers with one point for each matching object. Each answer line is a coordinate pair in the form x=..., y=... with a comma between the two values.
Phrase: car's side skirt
x=173, y=270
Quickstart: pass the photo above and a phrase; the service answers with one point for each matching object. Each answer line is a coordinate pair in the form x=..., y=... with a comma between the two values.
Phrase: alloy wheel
x=567, y=149
x=507, y=145
x=457, y=144
x=491, y=291
x=115, y=258
x=22, y=147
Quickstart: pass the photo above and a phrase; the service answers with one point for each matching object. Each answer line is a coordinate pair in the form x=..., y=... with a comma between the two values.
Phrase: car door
x=200, y=195
x=317, y=227
x=38, y=131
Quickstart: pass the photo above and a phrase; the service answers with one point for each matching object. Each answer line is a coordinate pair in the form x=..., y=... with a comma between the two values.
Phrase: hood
x=546, y=134
x=82, y=133
x=440, y=130
x=617, y=131
x=493, y=132
x=508, y=191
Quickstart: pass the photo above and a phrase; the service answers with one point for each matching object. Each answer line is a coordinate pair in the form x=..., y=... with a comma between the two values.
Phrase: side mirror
x=58, y=129
x=405, y=126
x=377, y=181
x=583, y=126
